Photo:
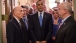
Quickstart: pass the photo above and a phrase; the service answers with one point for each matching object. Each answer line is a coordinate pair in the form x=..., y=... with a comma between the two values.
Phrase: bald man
x=66, y=31
x=15, y=31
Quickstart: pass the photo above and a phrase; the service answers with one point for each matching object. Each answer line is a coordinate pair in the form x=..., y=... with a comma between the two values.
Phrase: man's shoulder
x=47, y=13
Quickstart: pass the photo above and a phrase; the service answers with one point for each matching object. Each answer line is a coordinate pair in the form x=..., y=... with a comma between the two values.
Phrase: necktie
x=40, y=19
x=60, y=25
x=26, y=22
x=20, y=24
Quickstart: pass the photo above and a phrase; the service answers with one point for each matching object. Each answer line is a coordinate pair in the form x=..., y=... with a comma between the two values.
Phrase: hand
x=53, y=38
x=38, y=42
x=43, y=42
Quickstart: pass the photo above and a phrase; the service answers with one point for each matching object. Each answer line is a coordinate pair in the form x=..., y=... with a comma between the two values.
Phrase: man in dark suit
x=26, y=18
x=41, y=25
x=66, y=31
x=15, y=29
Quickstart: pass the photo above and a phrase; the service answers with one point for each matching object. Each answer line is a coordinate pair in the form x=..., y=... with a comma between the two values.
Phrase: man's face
x=27, y=11
x=61, y=11
x=24, y=9
x=40, y=6
x=19, y=12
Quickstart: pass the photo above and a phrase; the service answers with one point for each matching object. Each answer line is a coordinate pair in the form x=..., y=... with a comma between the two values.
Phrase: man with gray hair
x=26, y=18
x=65, y=32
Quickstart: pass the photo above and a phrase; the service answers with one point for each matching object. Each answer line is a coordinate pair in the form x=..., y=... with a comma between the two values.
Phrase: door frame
x=1, y=38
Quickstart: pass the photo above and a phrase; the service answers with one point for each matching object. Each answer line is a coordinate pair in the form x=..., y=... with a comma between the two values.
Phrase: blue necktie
x=26, y=22
x=40, y=19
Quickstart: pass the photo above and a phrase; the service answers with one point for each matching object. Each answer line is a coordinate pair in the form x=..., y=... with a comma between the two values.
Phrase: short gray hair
x=25, y=6
x=67, y=6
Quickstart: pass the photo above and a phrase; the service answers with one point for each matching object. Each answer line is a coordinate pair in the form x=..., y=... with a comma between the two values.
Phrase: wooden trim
x=1, y=36
x=7, y=8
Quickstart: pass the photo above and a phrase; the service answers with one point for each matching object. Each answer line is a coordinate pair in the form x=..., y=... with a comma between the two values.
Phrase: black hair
x=23, y=6
x=37, y=1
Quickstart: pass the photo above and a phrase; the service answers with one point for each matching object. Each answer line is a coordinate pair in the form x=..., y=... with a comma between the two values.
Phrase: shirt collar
x=16, y=19
x=24, y=17
x=41, y=12
x=65, y=18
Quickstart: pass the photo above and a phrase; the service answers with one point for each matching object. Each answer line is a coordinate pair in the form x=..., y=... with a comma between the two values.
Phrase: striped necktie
x=60, y=25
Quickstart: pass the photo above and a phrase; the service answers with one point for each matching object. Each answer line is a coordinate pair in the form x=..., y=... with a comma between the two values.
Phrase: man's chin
x=41, y=10
x=24, y=16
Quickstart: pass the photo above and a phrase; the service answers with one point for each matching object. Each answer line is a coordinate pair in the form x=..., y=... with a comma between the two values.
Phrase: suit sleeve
x=49, y=35
x=10, y=33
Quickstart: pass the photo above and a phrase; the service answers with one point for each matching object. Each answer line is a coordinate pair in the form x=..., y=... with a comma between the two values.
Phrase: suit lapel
x=15, y=22
x=23, y=24
x=44, y=19
x=64, y=24
x=37, y=19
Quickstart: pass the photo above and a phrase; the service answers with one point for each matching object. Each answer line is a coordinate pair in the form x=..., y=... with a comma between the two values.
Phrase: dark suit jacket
x=15, y=33
x=66, y=32
x=41, y=33
x=28, y=30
